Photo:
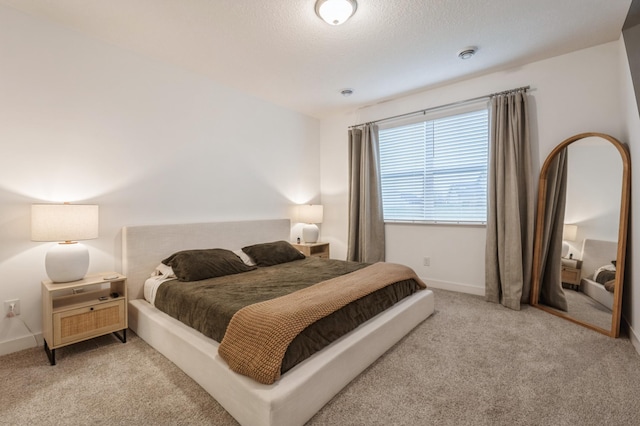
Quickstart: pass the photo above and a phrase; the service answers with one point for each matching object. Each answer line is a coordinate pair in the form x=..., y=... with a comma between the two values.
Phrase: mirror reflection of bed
x=590, y=301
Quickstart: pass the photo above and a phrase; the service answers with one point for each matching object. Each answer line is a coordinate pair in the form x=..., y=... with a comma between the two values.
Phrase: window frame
x=435, y=114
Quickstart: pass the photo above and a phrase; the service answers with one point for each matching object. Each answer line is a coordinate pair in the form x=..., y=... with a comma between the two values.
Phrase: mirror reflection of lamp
x=569, y=233
x=310, y=214
x=65, y=223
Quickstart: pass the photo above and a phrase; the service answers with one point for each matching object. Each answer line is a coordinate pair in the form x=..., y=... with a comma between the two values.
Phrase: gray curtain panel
x=510, y=222
x=366, y=223
x=551, y=291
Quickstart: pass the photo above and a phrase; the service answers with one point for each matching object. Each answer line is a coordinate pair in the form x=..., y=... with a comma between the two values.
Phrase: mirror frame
x=622, y=233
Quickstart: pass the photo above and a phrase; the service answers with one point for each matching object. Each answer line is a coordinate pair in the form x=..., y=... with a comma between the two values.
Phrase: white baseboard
x=633, y=336
x=460, y=288
x=16, y=345
x=15, y=336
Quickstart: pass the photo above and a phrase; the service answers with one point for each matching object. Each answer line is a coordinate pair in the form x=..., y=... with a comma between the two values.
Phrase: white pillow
x=163, y=270
x=245, y=257
x=159, y=275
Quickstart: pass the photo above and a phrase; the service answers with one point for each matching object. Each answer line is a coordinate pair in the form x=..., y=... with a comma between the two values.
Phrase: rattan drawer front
x=570, y=275
x=79, y=324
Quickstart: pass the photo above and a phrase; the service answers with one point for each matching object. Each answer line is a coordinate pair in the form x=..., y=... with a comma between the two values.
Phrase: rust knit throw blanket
x=258, y=335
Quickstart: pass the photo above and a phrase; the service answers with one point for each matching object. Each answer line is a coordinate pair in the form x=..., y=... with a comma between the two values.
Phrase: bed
x=300, y=392
x=597, y=254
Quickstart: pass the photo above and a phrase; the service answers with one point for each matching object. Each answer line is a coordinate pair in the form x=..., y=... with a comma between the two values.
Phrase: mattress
x=209, y=305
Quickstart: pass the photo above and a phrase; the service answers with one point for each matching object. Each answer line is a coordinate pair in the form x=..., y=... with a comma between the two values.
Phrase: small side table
x=571, y=275
x=80, y=310
x=314, y=249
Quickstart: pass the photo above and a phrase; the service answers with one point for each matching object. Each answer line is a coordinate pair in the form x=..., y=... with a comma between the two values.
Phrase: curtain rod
x=424, y=111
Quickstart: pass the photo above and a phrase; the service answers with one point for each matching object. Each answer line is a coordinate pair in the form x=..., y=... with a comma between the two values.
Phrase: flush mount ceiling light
x=335, y=12
x=467, y=52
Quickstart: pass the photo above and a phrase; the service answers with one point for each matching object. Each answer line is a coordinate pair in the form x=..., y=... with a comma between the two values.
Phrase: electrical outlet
x=16, y=307
x=426, y=261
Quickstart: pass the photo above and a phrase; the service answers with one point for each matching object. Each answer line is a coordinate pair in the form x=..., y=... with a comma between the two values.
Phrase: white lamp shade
x=64, y=222
x=335, y=12
x=310, y=213
x=569, y=232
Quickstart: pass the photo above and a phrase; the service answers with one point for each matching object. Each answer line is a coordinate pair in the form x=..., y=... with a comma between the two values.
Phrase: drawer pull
x=91, y=308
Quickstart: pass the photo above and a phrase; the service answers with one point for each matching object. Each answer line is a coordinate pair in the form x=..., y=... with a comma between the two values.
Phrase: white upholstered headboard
x=144, y=247
x=596, y=253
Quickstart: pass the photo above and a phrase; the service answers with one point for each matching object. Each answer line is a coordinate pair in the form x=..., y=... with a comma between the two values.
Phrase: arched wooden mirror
x=581, y=231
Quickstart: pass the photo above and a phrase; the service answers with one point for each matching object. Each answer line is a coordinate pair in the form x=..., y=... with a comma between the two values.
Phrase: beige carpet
x=585, y=308
x=471, y=363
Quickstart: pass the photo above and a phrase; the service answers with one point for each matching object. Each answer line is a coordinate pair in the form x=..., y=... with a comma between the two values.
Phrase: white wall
x=594, y=185
x=631, y=294
x=573, y=93
x=84, y=121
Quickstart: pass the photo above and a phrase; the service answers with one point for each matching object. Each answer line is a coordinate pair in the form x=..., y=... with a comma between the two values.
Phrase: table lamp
x=65, y=223
x=569, y=233
x=310, y=214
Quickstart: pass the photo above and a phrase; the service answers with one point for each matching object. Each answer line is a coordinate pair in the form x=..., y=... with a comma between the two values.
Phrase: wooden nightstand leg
x=123, y=337
x=51, y=353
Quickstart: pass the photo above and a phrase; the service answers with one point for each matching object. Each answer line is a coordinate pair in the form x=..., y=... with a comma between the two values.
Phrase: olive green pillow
x=269, y=254
x=196, y=265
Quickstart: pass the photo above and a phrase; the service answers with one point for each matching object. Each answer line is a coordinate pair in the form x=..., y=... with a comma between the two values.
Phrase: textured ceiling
x=280, y=51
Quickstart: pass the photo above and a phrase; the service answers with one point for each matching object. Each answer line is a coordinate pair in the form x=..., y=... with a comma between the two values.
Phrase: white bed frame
x=597, y=253
x=299, y=393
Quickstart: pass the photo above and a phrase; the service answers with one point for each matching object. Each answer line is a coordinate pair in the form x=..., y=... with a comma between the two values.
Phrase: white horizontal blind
x=436, y=170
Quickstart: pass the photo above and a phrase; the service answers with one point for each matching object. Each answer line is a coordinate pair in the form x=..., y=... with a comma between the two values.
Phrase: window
x=435, y=170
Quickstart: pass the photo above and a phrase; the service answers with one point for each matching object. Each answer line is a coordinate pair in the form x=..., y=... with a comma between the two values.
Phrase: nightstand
x=80, y=310
x=314, y=249
x=571, y=274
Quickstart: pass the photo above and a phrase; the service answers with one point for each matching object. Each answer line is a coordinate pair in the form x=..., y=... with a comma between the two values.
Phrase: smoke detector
x=467, y=52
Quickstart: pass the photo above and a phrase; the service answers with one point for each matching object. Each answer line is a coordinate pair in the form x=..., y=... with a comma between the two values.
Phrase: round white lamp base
x=67, y=262
x=310, y=233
